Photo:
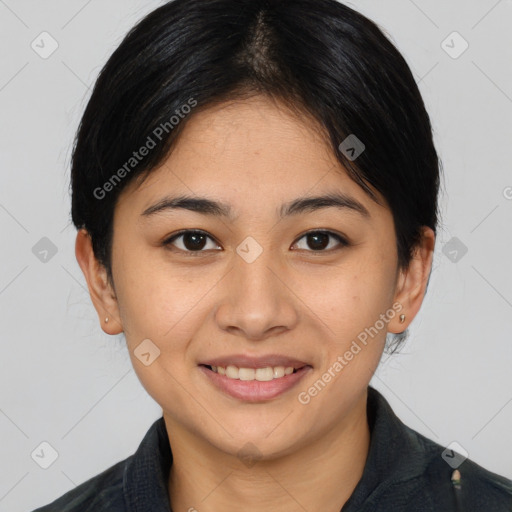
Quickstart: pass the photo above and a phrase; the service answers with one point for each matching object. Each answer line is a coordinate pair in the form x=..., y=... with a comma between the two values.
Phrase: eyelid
x=169, y=241
x=343, y=241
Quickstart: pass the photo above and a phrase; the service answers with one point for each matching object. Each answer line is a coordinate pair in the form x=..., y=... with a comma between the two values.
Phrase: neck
x=318, y=476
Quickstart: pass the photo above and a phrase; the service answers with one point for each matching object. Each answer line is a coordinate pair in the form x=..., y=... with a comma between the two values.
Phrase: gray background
x=65, y=382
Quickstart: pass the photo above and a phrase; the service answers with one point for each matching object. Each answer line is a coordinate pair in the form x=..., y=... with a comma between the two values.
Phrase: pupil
x=196, y=241
x=320, y=240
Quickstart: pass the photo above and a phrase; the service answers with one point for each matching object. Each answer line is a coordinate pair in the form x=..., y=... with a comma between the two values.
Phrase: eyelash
x=169, y=241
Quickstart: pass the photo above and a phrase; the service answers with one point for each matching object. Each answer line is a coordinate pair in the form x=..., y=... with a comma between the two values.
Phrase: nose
x=257, y=302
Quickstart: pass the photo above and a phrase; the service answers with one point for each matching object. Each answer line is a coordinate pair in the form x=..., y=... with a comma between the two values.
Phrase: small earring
x=106, y=320
x=402, y=319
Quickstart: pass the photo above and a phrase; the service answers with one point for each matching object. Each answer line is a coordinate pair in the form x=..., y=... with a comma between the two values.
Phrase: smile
x=260, y=374
x=254, y=384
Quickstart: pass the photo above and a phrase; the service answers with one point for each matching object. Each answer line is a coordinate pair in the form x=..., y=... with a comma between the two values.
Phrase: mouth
x=265, y=374
x=254, y=385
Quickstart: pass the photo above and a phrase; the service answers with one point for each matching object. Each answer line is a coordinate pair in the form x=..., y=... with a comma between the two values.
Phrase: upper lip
x=244, y=361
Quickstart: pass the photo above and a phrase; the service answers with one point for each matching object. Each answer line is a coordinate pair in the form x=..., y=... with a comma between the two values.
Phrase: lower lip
x=255, y=390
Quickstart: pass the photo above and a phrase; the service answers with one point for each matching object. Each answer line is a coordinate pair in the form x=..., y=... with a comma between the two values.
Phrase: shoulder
x=409, y=471
x=100, y=493
x=480, y=489
x=119, y=488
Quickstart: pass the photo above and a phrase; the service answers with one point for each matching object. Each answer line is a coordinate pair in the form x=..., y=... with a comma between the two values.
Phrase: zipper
x=457, y=489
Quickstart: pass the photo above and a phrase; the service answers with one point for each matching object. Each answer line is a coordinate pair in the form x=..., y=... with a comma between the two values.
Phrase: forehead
x=251, y=152
x=252, y=138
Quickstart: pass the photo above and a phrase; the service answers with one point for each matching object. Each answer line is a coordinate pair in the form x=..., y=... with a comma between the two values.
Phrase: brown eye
x=191, y=241
x=318, y=241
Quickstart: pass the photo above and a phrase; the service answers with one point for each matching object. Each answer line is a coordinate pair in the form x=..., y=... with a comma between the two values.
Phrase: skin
x=292, y=300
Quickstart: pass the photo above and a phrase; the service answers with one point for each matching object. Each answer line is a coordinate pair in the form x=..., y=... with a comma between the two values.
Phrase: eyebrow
x=298, y=206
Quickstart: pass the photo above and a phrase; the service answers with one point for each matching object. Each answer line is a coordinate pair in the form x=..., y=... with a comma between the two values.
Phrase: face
x=266, y=279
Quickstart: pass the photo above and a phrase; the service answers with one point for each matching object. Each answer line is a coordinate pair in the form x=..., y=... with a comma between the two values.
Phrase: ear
x=412, y=282
x=102, y=294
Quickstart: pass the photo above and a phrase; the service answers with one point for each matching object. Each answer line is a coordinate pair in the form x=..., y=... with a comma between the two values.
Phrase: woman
x=255, y=188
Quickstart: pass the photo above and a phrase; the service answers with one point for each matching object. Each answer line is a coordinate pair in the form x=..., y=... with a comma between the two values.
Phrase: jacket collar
x=396, y=454
x=146, y=473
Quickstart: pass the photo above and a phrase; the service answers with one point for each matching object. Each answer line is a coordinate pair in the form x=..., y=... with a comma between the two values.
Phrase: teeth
x=279, y=372
x=246, y=374
x=261, y=374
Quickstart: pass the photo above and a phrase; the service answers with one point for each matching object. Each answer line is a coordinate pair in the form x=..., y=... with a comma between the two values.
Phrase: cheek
x=356, y=294
x=158, y=301
x=162, y=308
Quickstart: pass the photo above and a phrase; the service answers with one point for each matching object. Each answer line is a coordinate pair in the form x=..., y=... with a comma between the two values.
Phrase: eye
x=318, y=241
x=195, y=241
x=191, y=241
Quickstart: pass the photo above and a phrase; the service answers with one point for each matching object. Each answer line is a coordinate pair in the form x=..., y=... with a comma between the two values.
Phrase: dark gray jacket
x=404, y=472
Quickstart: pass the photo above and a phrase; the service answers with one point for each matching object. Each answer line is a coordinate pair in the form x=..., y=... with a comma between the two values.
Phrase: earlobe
x=412, y=282
x=100, y=290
